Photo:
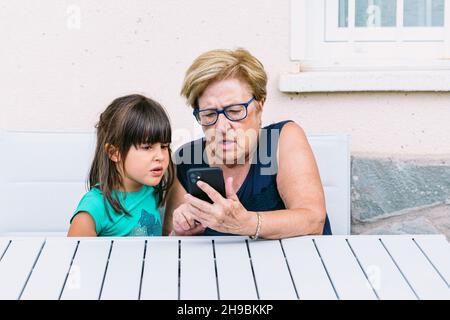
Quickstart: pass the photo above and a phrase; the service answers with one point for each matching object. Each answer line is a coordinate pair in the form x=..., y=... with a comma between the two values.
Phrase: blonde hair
x=222, y=64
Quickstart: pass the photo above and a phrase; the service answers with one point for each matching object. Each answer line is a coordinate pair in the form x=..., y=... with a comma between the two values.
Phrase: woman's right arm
x=174, y=200
x=83, y=225
x=177, y=216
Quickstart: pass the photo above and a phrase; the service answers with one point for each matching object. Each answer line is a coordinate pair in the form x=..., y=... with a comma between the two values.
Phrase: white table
x=327, y=267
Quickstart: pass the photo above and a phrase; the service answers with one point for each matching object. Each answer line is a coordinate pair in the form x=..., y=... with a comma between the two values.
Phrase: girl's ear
x=112, y=152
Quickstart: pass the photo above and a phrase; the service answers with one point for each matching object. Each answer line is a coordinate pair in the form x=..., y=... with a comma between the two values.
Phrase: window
x=394, y=34
x=384, y=20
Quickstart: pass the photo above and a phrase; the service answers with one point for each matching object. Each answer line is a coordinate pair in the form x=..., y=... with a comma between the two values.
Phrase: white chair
x=332, y=153
x=43, y=176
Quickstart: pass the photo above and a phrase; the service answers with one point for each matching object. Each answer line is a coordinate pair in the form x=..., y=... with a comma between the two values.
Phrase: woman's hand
x=226, y=215
x=184, y=223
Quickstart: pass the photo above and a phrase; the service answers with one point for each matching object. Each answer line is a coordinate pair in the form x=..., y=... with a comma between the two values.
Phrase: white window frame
x=383, y=34
x=316, y=45
x=329, y=62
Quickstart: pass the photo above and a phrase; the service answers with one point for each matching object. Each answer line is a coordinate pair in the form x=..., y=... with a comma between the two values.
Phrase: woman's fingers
x=199, y=204
x=205, y=218
x=197, y=230
x=183, y=218
x=231, y=194
x=215, y=196
x=180, y=231
x=181, y=221
x=177, y=227
x=188, y=223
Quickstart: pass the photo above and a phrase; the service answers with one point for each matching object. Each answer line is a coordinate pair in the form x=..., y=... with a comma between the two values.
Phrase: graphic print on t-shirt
x=147, y=226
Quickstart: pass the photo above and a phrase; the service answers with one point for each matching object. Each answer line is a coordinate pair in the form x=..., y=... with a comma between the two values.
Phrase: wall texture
x=62, y=62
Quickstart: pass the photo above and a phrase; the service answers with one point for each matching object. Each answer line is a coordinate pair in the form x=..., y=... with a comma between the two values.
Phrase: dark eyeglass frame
x=223, y=111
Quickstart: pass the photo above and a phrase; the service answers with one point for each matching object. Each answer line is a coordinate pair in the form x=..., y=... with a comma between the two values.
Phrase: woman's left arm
x=298, y=184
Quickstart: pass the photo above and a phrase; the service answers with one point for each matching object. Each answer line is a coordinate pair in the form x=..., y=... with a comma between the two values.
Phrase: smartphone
x=212, y=176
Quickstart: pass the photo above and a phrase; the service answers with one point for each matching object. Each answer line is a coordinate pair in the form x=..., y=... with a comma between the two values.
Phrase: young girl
x=131, y=172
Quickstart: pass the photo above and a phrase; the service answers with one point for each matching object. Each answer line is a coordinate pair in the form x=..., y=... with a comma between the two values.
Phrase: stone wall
x=395, y=196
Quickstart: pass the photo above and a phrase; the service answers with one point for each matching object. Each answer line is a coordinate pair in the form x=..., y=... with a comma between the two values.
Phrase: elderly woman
x=273, y=187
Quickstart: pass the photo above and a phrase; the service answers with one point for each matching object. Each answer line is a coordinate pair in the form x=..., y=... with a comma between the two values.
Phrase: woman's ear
x=261, y=105
x=260, y=108
x=112, y=152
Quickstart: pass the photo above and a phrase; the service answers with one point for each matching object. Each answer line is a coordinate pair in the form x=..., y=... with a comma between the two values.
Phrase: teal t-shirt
x=143, y=219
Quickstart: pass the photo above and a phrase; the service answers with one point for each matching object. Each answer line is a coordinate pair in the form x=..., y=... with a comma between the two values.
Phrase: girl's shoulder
x=93, y=203
x=94, y=198
x=94, y=193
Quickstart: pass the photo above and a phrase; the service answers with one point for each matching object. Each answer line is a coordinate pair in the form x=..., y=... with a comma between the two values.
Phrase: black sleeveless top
x=259, y=190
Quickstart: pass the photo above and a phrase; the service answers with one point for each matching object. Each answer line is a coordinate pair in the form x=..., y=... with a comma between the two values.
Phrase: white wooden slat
x=421, y=275
x=50, y=271
x=160, y=277
x=307, y=270
x=271, y=271
x=198, y=277
x=16, y=266
x=234, y=271
x=87, y=271
x=381, y=271
x=123, y=276
x=437, y=250
x=424, y=263
x=346, y=275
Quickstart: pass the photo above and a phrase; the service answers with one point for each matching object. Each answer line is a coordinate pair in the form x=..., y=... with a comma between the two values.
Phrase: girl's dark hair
x=128, y=121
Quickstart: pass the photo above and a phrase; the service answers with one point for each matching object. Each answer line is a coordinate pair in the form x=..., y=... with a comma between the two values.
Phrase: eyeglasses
x=235, y=112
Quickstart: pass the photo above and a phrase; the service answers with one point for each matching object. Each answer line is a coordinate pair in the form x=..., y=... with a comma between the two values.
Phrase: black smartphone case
x=212, y=176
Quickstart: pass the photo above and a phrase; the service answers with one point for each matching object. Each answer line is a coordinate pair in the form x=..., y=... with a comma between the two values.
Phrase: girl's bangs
x=149, y=124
